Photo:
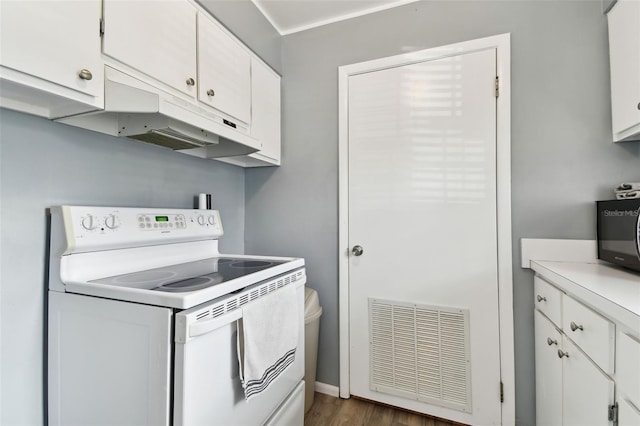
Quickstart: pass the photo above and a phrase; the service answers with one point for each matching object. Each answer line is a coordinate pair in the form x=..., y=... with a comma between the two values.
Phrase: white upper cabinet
x=50, y=62
x=95, y=64
x=265, y=117
x=224, y=71
x=624, y=56
x=265, y=125
x=157, y=38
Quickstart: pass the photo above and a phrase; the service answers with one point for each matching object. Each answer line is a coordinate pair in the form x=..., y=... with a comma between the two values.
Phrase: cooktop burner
x=190, y=276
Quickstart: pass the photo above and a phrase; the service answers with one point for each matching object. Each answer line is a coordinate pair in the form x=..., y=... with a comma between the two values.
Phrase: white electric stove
x=142, y=321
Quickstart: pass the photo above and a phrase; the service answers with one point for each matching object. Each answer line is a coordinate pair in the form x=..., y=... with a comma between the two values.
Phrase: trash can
x=312, y=313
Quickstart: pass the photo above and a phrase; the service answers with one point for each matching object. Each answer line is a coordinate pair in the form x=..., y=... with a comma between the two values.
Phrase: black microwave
x=619, y=232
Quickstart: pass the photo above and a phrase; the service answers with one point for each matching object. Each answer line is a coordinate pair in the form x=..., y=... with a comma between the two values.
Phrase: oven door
x=207, y=389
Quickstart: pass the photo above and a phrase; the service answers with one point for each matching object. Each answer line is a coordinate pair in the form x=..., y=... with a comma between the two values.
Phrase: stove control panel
x=90, y=228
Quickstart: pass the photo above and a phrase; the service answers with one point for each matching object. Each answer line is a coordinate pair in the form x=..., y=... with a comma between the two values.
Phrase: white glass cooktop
x=190, y=276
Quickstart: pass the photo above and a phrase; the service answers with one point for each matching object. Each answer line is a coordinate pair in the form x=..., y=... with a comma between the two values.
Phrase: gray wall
x=562, y=155
x=43, y=163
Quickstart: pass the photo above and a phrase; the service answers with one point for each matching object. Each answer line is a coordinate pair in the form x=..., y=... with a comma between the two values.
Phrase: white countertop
x=609, y=289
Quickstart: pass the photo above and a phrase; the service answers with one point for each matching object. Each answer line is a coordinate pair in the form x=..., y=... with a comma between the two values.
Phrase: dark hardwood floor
x=330, y=411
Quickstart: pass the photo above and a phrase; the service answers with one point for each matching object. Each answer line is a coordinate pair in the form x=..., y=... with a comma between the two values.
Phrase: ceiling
x=290, y=16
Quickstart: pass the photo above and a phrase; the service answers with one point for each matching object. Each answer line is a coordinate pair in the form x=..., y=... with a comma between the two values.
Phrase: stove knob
x=89, y=222
x=111, y=222
x=212, y=220
x=201, y=220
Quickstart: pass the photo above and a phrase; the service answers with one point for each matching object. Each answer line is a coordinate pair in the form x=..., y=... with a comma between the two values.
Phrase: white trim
x=286, y=31
x=327, y=389
x=343, y=229
x=502, y=45
x=584, y=251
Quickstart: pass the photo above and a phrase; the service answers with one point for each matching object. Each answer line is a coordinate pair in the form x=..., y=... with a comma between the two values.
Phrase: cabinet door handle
x=638, y=105
x=575, y=326
x=191, y=82
x=85, y=74
x=541, y=298
x=550, y=341
x=210, y=92
x=562, y=354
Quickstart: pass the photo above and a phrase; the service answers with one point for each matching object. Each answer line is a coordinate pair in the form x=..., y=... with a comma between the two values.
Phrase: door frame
x=502, y=44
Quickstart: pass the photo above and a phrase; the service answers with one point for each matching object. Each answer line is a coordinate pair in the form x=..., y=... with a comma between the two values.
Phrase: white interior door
x=422, y=203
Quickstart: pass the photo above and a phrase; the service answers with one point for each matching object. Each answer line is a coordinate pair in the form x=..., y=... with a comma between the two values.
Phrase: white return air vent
x=420, y=352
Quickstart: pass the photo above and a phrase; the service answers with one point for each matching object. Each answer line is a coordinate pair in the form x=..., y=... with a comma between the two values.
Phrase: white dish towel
x=267, y=339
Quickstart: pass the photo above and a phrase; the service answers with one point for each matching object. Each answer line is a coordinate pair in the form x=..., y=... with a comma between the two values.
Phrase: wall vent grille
x=420, y=352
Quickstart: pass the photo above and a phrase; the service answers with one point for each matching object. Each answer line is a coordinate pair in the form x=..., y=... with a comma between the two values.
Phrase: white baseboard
x=327, y=389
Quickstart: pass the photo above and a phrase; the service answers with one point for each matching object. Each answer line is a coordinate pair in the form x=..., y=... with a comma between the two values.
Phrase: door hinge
x=501, y=392
x=497, y=86
x=101, y=27
x=613, y=414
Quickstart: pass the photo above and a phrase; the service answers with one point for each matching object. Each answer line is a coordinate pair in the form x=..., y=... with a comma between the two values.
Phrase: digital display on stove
x=162, y=218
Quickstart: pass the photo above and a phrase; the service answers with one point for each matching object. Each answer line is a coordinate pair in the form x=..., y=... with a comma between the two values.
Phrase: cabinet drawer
x=594, y=334
x=548, y=300
x=628, y=368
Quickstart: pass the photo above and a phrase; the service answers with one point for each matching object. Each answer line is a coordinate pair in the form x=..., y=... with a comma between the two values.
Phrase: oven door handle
x=207, y=326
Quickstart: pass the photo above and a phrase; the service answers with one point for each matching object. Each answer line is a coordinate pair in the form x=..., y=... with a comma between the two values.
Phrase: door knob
x=357, y=250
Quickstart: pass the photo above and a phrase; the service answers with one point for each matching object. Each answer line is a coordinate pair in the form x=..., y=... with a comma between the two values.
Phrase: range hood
x=137, y=110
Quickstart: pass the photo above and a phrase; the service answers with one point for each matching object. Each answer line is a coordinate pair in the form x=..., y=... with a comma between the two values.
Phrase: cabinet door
x=54, y=41
x=157, y=38
x=628, y=368
x=224, y=70
x=548, y=372
x=628, y=415
x=624, y=55
x=265, y=109
x=587, y=392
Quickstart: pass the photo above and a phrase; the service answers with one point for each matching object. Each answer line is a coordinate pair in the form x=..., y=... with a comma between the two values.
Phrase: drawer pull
x=85, y=74
x=541, y=298
x=191, y=82
x=550, y=341
x=562, y=354
x=575, y=326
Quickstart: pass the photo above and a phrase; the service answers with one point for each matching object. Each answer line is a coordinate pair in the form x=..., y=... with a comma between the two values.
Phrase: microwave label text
x=620, y=213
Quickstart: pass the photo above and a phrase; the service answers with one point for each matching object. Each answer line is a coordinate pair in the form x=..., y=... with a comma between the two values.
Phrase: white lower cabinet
x=548, y=372
x=572, y=389
x=628, y=379
x=587, y=392
x=628, y=415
